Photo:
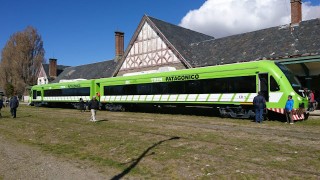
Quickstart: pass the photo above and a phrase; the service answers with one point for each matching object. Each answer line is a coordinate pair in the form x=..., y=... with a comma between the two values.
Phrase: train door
x=263, y=85
x=97, y=91
x=34, y=94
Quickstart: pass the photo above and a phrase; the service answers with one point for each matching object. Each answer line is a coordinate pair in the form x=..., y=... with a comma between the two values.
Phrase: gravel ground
x=18, y=161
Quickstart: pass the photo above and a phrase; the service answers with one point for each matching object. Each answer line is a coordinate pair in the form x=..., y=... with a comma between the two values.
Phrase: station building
x=157, y=44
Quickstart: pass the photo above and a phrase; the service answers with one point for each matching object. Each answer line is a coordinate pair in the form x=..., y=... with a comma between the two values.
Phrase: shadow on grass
x=24, y=116
x=100, y=120
x=10, y=117
x=136, y=161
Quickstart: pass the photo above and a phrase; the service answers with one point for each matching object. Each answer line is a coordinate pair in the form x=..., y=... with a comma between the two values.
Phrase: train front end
x=290, y=85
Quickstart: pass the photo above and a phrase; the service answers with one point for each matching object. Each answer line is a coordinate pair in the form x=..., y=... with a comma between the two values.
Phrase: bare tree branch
x=21, y=59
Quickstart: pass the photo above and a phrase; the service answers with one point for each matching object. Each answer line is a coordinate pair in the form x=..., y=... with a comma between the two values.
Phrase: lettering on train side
x=183, y=77
x=74, y=85
x=158, y=79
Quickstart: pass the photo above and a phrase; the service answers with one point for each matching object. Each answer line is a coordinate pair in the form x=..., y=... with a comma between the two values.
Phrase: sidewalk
x=315, y=113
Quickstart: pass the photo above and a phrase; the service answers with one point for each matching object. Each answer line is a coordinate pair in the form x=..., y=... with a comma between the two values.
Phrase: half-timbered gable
x=150, y=48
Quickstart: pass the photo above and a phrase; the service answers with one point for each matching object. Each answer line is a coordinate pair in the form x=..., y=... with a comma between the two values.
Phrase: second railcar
x=65, y=93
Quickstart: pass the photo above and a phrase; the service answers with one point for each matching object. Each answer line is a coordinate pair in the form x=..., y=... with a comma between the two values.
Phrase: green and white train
x=230, y=88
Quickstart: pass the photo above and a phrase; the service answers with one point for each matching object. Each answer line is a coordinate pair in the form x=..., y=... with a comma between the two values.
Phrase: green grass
x=207, y=147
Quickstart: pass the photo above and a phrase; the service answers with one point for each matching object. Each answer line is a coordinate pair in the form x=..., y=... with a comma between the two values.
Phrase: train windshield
x=291, y=77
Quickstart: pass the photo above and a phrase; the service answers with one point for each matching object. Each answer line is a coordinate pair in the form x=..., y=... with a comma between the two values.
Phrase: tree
x=9, y=89
x=21, y=60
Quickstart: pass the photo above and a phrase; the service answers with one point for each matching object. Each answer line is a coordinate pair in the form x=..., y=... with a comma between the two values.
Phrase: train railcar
x=61, y=94
x=230, y=88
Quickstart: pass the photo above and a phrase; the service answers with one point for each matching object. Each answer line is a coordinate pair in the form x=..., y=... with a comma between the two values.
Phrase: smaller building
x=48, y=72
x=88, y=71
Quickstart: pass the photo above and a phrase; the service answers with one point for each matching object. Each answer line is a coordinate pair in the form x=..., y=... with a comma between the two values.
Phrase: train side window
x=83, y=92
x=273, y=84
x=219, y=85
x=193, y=87
x=176, y=87
x=108, y=90
x=144, y=89
x=34, y=94
x=206, y=85
x=130, y=89
x=156, y=88
x=164, y=88
x=243, y=84
x=117, y=90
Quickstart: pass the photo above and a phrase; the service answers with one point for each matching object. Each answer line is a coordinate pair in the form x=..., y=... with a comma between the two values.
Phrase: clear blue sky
x=82, y=31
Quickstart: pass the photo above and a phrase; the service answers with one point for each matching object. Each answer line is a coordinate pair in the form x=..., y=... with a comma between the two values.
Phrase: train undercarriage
x=227, y=111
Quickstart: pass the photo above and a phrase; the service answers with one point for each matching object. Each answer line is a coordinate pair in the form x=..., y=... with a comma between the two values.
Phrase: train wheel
x=223, y=113
x=122, y=108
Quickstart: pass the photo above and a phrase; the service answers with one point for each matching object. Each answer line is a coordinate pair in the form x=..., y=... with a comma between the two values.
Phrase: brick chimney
x=296, y=14
x=52, y=68
x=119, y=38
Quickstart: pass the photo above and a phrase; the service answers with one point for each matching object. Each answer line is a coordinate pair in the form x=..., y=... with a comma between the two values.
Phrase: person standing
x=1, y=105
x=288, y=109
x=81, y=105
x=93, y=107
x=259, y=103
x=14, y=104
x=311, y=100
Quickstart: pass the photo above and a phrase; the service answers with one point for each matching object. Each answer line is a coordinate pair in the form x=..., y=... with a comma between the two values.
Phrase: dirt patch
x=19, y=161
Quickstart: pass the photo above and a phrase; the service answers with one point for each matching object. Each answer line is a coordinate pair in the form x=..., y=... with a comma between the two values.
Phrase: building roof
x=60, y=68
x=88, y=71
x=181, y=38
x=197, y=50
x=272, y=43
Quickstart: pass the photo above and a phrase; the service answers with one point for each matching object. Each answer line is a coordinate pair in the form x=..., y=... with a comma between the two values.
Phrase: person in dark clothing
x=1, y=105
x=259, y=103
x=81, y=105
x=14, y=104
x=93, y=106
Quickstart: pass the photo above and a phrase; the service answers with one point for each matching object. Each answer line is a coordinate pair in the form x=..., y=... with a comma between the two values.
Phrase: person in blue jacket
x=289, y=109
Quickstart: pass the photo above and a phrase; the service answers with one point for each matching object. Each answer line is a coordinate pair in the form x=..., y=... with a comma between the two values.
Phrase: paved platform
x=315, y=113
